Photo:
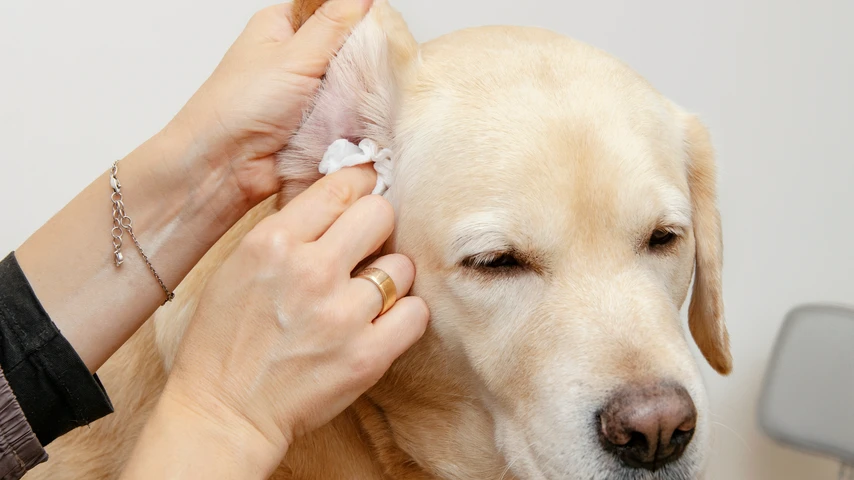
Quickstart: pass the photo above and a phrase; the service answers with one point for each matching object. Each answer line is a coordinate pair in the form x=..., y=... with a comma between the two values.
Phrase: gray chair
x=807, y=399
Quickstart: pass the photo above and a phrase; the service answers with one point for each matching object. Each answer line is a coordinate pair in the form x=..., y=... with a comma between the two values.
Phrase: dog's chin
x=669, y=472
x=611, y=470
x=580, y=460
x=538, y=468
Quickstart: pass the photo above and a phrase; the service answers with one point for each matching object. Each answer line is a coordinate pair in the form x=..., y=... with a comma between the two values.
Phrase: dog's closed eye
x=492, y=260
x=495, y=262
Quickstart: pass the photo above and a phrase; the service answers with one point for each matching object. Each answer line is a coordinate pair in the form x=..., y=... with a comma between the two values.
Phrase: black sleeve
x=52, y=384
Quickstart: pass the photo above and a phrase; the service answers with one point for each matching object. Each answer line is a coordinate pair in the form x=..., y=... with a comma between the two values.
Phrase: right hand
x=283, y=339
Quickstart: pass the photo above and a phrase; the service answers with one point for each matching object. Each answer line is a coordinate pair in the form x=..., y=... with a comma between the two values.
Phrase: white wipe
x=343, y=153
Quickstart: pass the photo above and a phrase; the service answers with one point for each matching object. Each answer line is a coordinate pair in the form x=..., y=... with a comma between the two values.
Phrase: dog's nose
x=648, y=426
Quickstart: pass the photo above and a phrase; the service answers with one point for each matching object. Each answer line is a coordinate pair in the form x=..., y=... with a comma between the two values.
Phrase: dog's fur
x=509, y=140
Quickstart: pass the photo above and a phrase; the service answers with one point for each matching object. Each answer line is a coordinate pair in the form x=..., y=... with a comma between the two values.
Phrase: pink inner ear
x=334, y=116
x=356, y=101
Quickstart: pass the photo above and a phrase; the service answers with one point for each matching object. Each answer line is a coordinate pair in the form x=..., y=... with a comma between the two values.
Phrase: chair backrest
x=807, y=399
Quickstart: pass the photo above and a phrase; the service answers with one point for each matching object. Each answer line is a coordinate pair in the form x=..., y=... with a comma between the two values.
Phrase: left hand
x=254, y=100
x=283, y=339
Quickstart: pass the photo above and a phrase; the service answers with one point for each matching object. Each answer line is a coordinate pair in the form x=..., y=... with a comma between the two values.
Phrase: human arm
x=20, y=450
x=185, y=186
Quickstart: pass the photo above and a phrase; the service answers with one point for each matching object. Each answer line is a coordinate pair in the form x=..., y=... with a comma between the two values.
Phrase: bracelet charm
x=122, y=223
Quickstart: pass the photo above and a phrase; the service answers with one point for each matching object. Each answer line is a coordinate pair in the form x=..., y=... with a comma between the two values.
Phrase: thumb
x=398, y=329
x=319, y=39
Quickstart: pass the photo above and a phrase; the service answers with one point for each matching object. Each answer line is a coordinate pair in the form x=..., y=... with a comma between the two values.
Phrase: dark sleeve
x=51, y=383
x=20, y=450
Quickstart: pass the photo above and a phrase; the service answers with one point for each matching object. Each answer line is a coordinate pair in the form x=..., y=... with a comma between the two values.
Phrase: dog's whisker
x=549, y=462
x=515, y=458
x=734, y=432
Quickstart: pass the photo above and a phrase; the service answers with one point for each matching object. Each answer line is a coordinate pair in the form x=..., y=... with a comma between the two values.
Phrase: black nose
x=648, y=426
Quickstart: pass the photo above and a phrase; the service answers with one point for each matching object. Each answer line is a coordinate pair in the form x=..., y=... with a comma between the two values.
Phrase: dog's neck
x=422, y=421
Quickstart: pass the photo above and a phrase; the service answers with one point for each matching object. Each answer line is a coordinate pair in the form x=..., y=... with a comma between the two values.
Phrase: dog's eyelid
x=675, y=221
x=486, y=258
x=484, y=238
x=477, y=241
x=471, y=251
x=674, y=229
x=507, y=261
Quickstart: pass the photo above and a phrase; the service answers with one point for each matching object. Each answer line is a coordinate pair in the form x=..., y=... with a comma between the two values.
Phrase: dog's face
x=543, y=192
x=555, y=206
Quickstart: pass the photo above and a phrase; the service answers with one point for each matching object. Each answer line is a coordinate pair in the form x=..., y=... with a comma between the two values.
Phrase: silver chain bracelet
x=122, y=222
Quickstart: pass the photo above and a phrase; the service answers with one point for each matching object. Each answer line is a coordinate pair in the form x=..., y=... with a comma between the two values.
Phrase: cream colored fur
x=506, y=139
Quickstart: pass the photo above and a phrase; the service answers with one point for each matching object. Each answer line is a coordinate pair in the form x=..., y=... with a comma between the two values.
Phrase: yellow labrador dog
x=556, y=207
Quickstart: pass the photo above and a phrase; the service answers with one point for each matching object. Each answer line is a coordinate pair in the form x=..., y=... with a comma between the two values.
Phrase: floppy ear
x=358, y=98
x=706, y=311
x=302, y=9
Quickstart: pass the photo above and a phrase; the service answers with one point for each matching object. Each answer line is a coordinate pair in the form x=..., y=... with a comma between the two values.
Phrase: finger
x=365, y=296
x=317, y=42
x=360, y=230
x=397, y=330
x=313, y=211
x=273, y=23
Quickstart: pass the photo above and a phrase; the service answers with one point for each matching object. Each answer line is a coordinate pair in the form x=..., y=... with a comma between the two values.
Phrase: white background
x=83, y=83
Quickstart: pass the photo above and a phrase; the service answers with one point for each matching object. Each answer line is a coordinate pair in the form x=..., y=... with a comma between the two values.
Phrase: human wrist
x=210, y=402
x=175, y=188
x=210, y=442
x=179, y=207
x=197, y=166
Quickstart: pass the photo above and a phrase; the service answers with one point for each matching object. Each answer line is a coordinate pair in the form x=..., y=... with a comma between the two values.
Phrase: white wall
x=82, y=83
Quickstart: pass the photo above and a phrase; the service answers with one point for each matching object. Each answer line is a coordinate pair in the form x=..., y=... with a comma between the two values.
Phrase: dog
x=557, y=208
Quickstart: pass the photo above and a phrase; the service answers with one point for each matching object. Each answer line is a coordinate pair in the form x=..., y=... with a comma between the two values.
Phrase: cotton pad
x=343, y=153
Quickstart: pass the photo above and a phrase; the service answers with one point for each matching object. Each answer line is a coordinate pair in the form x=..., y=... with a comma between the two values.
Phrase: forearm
x=180, y=201
x=180, y=441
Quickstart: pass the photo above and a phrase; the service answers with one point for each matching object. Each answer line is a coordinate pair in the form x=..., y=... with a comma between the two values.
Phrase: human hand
x=254, y=100
x=283, y=339
x=185, y=186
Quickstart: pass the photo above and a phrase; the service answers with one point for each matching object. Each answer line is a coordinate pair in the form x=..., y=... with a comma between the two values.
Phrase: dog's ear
x=706, y=311
x=302, y=9
x=359, y=95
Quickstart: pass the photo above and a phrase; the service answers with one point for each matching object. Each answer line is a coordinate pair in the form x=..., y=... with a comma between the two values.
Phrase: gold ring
x=384, y=283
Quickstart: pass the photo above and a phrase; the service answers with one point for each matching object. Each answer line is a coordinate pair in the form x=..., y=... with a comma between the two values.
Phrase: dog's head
x=556, y=207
